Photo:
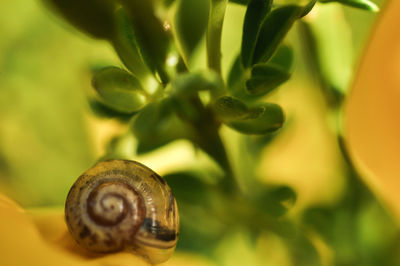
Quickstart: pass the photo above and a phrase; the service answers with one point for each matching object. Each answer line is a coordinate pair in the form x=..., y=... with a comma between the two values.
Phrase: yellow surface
x=372, y=113
x=40, y=237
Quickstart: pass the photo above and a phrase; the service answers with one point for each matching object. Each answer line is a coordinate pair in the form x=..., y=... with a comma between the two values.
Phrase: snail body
x=123, y=205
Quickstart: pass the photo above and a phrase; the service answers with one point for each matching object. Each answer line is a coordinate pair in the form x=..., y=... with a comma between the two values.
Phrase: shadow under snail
x=123, y=205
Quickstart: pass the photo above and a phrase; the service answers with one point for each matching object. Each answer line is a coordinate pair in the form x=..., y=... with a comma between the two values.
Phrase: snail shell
x=123, y=205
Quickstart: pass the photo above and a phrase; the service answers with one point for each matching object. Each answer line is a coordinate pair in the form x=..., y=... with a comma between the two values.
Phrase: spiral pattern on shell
x=123, y=205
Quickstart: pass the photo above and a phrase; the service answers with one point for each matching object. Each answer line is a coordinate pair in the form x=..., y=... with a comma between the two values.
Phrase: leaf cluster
x=163, y=100
x=168, y=108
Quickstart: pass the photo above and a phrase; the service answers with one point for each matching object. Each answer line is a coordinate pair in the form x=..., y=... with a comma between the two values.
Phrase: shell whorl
x=111, y=202
x=105, y=213
x=118, y=205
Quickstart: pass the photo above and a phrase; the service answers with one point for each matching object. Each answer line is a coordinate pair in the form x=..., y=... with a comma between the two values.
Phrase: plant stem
x=164, y=77
x=207, y=137
x=213, y=145
x=214, y=32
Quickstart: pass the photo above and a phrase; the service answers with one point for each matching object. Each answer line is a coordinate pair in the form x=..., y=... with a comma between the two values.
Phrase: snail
x=123, y=205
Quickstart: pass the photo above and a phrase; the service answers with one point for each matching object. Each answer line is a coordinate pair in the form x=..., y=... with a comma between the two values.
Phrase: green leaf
x=265, y=78
x=167, y=3
x=236, y=77
x=307, y=8
x=235, y=73
x=189, y=188
x=187, y=109
x=102, y=111
x=191, y=23
x=229, y=108
x=273, y=30
x=189, y=84
x=214, y=33
x=321, y=219
x=200, y=223
x=275, y=201
x=236, y=85
x=302, y=251
x=283, y=57
x=240, y=2
x=94, y=17
x=116, y=148
x=264, y=119
x=119, y=90
x=184, y=91
x=157, y=125
x=152, y=39
x=125, y=45
x=362, y=4
x=256, y=144
x=255, y=14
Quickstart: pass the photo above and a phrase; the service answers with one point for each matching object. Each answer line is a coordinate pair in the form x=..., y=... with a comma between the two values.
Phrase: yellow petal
x=373, y=110
x=39, y=237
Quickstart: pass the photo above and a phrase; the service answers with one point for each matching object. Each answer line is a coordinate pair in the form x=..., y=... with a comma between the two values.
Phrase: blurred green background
x=49, y=136
x=46, y=137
